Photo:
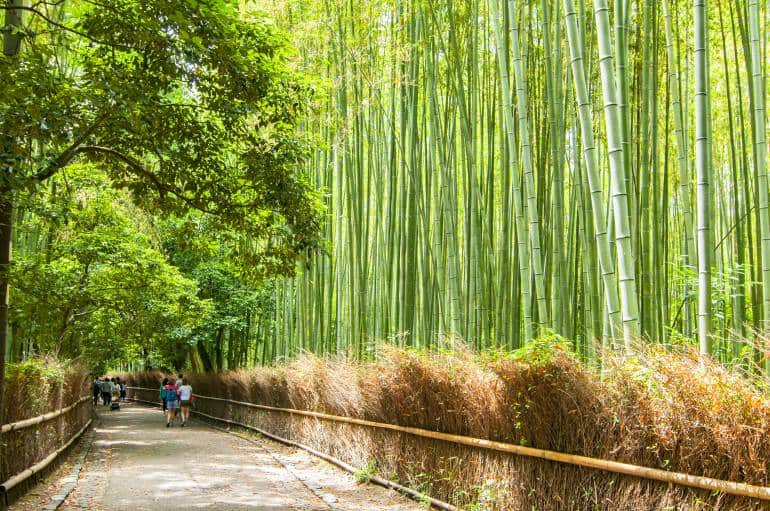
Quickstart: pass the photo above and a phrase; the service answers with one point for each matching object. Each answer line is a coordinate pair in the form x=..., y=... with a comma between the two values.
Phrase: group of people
x=107, y=387
x=176, y=396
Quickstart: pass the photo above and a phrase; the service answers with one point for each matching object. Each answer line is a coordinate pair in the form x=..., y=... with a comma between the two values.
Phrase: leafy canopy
x=191, y=105
x=97, y=284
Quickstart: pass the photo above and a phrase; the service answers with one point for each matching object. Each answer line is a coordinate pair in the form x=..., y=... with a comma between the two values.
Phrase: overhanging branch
x=61, y=26
x=66, y=157
x=139, y=169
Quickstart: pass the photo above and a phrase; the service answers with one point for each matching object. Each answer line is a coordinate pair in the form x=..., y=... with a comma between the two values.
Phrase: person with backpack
x=185, y=400
x=163, y=394
x=178, y=384
x=172, y=402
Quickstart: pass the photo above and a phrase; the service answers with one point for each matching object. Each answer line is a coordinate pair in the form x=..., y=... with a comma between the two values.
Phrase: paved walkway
x=136, y=463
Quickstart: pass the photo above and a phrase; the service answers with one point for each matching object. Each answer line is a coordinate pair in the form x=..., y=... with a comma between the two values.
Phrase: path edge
x=71, y=481
x=406, y=491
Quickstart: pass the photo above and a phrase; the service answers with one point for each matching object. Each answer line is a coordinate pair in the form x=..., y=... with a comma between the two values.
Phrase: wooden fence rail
x=41, y=465
x=689, y=480
x=15, y=426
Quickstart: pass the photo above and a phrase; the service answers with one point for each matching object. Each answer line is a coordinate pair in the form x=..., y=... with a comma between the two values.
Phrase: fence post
x=60, y=418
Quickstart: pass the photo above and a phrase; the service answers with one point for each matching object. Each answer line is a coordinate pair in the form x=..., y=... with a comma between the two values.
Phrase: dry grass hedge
x=36, y=387
x=661, y=410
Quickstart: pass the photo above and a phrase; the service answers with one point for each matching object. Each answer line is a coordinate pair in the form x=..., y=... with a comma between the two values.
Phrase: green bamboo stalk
x=591, y=162
x=627, y=277
x=703, y=171
x=522, y=233
x=527, y=164
x=760, y=153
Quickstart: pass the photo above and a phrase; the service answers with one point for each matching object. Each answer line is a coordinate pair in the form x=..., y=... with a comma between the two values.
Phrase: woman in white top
x=185, y=399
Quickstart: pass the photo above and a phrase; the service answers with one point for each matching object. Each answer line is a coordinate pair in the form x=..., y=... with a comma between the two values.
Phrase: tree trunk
x=11, y=39
x=11, y=45
x=205, y=357
x=6, y=233
x=218, y=348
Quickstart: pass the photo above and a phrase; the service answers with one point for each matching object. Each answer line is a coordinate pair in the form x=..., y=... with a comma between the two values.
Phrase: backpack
x=170, y=394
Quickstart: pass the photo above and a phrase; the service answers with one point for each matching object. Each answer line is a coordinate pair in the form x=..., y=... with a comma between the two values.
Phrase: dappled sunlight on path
x=136, y=463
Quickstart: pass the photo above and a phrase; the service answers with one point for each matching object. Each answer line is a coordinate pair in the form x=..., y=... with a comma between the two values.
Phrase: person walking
x=185, y=400
x=114, y=391
x=163, y=394
x=96, y=388
x=121, y=388
x=106, y=388
x=172, y=402
x=178, y=384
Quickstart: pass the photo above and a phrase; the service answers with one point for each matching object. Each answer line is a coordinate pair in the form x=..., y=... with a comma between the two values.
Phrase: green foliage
x=190, y=105
x=487, y=494
x=186, y=109
x=543, y=349
x=365, y=473
x=35, y=370
x=33, y=382
x=99, y=286
x=216, y=261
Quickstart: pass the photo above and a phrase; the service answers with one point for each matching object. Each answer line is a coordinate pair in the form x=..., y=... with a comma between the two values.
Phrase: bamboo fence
x=689, y=480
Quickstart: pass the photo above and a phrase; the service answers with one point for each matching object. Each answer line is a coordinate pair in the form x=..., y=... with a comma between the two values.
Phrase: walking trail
x=136, y=463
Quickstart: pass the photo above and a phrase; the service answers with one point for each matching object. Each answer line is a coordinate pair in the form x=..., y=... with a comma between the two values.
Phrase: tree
x=241, y=303
x=189, y=104
x=96, y=282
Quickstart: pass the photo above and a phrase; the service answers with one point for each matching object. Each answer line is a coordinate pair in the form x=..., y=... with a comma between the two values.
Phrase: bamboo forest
x=475, y=254
x=494, y=170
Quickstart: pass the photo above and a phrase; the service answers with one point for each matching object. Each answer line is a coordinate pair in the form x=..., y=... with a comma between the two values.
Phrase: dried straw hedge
x=33, y=388
x=658, y=410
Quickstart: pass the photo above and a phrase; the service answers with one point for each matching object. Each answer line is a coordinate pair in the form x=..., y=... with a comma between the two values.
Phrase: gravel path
x=136, y=463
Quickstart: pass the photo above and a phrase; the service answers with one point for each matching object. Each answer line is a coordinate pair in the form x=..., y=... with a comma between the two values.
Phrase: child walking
x=185, y=400
x=172, y=403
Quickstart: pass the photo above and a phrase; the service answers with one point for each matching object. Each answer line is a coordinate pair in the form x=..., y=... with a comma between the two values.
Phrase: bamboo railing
x=41, y=465
x=689, y=480
x=15, y=426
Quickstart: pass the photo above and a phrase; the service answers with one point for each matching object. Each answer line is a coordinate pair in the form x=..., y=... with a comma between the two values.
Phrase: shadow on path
x=137, y=463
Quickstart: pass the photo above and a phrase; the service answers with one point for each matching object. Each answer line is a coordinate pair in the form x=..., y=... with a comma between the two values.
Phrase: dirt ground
x=136, y=463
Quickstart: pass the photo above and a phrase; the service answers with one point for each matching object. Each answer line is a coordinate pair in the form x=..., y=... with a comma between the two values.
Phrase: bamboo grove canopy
x=496, y=168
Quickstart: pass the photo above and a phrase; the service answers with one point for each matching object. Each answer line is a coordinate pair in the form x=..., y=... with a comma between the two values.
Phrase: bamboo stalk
x=703, y=171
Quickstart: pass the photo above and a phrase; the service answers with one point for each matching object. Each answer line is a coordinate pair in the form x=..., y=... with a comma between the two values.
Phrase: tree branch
x=65, y=157
x=137, y=168
x=56, y=24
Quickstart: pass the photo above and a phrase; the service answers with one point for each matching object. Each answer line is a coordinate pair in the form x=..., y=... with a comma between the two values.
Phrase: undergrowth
x=675, y=412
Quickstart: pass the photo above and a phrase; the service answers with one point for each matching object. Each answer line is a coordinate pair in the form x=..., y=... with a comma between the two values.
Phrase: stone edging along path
x=71, y=481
